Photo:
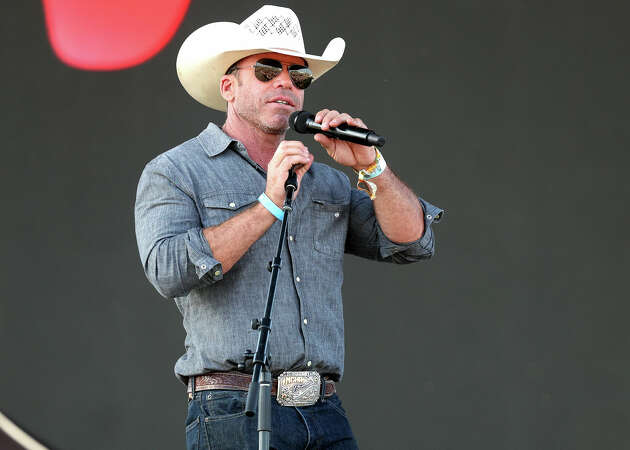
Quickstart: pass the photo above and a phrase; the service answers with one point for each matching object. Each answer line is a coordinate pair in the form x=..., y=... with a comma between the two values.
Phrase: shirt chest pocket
x=330, y=219
x=221, y=206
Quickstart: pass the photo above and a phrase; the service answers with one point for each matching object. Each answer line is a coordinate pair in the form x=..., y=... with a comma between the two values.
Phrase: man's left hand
x=345, y=153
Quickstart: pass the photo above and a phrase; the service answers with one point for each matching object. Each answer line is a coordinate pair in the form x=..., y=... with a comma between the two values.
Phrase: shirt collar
x=214, y=140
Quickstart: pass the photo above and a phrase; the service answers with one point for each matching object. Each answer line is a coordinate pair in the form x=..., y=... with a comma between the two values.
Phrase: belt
x=240, y=382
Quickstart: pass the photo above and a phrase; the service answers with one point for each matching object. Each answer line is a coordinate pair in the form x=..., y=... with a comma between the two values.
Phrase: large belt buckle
x=298, y=388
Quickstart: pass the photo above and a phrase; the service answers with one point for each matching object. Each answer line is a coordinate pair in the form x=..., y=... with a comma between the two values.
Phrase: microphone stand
x=260, y=387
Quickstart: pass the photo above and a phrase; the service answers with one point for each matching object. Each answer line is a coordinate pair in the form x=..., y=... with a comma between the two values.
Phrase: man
x=208, y=216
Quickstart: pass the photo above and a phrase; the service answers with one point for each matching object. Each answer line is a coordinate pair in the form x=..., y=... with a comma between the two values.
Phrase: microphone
x=304, y=122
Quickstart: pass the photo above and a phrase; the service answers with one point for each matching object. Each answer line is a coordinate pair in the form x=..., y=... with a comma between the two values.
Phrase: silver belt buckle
x=298, y=388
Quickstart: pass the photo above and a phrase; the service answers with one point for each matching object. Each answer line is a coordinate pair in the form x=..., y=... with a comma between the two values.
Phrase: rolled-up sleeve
x=367, y=239
x=174, y=253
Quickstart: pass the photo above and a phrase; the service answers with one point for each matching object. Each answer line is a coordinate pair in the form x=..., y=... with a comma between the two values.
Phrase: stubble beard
x=251, y=115
x=268, y=130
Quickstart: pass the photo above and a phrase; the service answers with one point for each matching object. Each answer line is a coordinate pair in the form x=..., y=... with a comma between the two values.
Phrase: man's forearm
x=230, y=240
x=397, y=208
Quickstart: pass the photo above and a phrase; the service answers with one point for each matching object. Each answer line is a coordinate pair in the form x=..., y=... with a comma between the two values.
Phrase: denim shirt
x=206, y=181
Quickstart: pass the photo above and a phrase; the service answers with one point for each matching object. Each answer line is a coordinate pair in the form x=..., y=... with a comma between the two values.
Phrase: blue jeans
x=216, y=420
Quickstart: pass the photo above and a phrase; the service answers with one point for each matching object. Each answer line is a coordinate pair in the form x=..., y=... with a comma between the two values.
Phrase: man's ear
x=227, y=85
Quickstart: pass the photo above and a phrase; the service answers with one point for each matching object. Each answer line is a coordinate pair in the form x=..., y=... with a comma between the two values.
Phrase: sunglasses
x=268, y=69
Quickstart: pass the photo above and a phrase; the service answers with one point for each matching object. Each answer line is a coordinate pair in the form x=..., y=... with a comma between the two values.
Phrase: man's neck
x=260, y=145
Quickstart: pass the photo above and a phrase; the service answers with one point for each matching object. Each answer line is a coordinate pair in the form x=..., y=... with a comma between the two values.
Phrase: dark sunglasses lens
x=301, y=76
x=268, y=69
x=264, y=71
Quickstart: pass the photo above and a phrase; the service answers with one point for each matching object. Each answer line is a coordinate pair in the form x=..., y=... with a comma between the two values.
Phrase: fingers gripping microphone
x=304, y=122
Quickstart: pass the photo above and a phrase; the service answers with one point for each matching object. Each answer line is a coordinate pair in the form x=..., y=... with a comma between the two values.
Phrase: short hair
x=232, y=68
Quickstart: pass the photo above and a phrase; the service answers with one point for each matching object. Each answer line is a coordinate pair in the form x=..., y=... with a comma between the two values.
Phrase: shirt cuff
x=207, y=268
x=419, y=249
x=431, y=214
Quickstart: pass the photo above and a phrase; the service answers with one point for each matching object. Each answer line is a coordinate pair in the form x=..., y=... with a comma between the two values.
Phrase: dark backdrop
x=511, y=115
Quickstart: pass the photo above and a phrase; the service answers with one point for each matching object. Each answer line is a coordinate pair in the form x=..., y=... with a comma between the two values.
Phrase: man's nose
x=283, y=80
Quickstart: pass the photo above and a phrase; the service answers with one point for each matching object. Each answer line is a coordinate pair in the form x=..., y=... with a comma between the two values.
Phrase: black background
x=511, y=115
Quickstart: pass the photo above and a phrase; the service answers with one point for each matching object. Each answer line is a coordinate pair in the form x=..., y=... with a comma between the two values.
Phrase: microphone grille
x=297, y=121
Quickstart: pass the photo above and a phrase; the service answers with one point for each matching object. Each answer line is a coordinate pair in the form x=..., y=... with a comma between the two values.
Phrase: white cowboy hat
x=209, y=51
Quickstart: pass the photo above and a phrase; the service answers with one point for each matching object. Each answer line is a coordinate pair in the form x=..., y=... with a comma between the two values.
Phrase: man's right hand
x=287, y=155
x=230, y=240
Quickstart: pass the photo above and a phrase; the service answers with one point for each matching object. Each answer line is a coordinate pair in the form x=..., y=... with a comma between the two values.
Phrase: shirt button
x=309, y=364
x=232, y=204
x=429, y=216
x=305, y=322
x=298, y=279
x=291, y=238
x=217, y=273
x=203, y=267
x=336, y=214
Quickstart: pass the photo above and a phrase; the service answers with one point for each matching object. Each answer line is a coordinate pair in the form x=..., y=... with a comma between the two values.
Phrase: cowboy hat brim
x=209, y=51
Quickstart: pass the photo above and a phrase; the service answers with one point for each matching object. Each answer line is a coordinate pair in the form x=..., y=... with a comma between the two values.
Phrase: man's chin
x=278, y=126
x=276, y=131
